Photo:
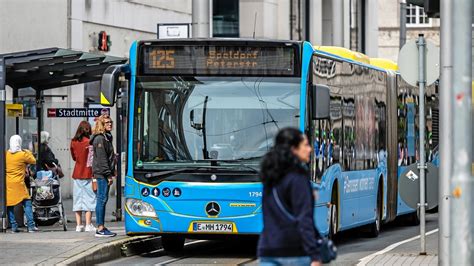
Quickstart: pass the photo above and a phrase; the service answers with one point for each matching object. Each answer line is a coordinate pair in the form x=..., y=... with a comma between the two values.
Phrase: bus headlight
x=140, y=208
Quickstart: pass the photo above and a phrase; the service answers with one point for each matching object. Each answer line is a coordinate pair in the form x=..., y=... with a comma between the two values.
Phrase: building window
x=225, y=18
x=416, y=16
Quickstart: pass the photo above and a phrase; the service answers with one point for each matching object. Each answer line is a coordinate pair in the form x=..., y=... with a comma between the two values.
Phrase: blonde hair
x=99, y=127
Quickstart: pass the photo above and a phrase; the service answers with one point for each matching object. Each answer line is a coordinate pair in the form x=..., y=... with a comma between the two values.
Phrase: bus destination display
x=219, y=60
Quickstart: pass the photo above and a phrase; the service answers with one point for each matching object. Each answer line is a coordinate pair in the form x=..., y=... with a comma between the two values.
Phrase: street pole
x=338, y=23
x=200, y=18
x=3, y=178
x=462, y=186
x=403, y=23
x=422, y=164
x=445, y=147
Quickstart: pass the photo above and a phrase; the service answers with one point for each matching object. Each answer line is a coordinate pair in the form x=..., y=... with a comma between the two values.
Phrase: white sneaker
x=90, y=228
x=79, y=228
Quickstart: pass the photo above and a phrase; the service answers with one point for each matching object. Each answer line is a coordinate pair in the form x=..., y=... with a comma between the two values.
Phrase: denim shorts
x=274, y=261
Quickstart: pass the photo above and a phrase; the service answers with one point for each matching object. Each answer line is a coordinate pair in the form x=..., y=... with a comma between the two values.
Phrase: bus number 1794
x=255, y=194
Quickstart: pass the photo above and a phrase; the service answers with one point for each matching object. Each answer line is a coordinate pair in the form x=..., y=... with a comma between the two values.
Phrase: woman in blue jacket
x=289, y=235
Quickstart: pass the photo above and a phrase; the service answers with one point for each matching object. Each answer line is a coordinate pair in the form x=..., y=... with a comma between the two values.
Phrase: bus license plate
x=212, y=227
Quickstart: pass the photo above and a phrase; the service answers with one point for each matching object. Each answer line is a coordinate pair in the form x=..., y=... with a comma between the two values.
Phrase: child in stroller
x=47, y=204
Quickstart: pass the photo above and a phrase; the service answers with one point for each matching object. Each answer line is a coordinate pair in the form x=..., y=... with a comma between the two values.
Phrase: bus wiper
x=169, y=172
x=214, y=163
x=175, y=171
x=248, y=158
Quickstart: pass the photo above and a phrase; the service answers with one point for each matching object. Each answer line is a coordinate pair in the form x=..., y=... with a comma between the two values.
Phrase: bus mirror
x=320, y=101
x=110, y=84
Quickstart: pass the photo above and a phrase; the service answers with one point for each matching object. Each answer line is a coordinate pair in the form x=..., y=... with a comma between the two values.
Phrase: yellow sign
x=14, y=110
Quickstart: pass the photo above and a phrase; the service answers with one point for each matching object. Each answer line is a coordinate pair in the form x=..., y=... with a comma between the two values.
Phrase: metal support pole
x=422, y=164
x=307, y=17
x=200, y=18
x=337, y=23
x=445, y=147
x=403, y=23
x=462, y=185
x=118, y=139
x=39, y=123
x=3, y=178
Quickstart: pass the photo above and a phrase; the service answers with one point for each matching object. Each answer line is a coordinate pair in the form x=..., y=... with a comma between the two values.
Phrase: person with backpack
x=103, y=169
x=84, y=198
x=289, y=234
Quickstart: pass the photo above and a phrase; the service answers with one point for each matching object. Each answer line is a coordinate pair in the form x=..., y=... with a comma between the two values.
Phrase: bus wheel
x=172, y=243
x=374, y=229
x=334, y=216
x=414, y=218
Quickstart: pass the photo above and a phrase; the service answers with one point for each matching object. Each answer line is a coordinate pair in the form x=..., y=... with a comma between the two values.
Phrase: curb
x=104, y=252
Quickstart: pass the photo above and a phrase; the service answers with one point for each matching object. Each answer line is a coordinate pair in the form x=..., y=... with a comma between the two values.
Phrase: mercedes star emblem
x=213, y=208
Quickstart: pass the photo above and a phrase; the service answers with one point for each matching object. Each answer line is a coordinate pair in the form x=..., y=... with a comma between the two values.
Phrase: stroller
x=46, y=199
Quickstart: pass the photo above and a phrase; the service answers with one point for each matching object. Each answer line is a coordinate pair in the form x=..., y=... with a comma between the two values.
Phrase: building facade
x=416, y=23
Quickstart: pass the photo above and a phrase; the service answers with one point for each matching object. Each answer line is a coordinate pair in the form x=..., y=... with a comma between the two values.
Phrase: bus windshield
x=185, y=120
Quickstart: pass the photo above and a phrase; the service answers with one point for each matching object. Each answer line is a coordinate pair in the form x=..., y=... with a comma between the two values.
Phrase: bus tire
x=374, y=229
x=334, y=212
x=172, y=243
x=414, y=218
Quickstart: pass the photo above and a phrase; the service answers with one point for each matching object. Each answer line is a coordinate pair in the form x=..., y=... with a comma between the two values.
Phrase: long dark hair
x=280, y=160
x=83, y=130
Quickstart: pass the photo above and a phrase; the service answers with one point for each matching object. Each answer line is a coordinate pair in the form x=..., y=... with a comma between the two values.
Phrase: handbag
x=56, y=169
x=94, y=185
x=90, y=156
x=327, y=248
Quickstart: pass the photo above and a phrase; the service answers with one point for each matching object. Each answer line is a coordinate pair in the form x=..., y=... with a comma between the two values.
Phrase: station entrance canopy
x=53, y=67
x=42, y=70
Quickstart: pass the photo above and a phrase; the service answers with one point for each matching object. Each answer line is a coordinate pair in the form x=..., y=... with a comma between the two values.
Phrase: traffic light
x=104, y=42
x=431, y=7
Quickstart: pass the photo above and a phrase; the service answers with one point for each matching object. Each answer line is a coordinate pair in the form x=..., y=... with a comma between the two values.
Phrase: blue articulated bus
x=203, y=112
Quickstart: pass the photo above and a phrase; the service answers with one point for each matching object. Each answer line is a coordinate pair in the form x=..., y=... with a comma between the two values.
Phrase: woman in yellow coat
x=17, y=192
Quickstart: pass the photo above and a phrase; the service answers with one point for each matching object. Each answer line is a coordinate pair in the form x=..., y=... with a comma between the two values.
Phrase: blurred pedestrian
x=289, y=235
x=17, y=161
x=103, y=169
x=84, y=198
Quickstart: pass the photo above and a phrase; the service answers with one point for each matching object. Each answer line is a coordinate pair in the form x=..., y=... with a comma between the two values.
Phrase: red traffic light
x=104, y=42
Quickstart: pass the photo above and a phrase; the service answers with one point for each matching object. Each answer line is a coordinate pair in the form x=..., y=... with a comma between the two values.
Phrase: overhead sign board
x=77, y=112
x=173, y=31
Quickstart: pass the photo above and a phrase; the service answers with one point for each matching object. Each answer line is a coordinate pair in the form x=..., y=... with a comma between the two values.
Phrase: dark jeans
x=102, y=197
x=28, y=213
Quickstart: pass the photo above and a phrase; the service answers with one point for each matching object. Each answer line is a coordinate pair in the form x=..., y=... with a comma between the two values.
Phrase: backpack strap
x=281, y=207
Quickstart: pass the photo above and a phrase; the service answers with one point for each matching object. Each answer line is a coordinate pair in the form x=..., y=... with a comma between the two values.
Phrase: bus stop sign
x=408, y=63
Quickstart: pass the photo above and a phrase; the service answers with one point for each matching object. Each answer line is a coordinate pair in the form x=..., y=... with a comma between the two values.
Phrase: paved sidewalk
x=407, y=253
x=52, y=245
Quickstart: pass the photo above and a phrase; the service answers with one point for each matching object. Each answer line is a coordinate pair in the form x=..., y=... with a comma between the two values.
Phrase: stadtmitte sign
x=77, y=112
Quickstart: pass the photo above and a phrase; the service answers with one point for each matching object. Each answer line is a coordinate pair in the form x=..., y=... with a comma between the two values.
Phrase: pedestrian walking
x=289, y=235
x=103, y=169
x=17, y=161
x=84, y=198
